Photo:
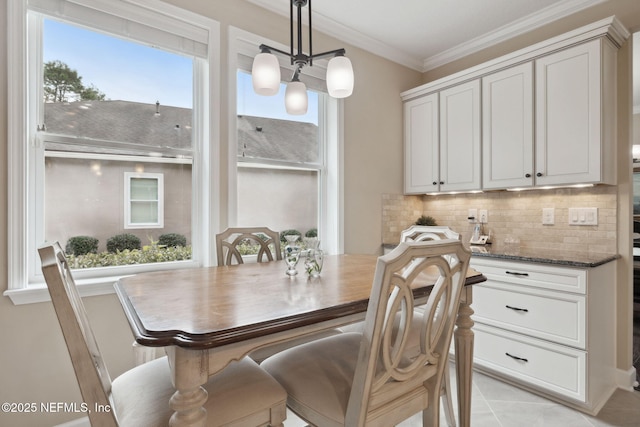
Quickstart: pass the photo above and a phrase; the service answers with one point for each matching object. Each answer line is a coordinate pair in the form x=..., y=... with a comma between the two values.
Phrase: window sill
x=93, y=286
x=39, y=293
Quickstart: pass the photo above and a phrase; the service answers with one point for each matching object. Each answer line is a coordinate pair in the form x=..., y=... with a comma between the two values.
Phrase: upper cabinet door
x=507, y=128
x=460, y=137
x=568, y=116
x=421, y=156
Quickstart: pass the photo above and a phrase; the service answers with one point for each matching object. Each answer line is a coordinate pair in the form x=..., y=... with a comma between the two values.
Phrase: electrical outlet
x=548, y=216
x=483, y=216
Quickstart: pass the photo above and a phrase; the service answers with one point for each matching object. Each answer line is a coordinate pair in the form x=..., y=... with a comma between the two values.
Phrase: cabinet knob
x=441, y=182
x=528, y=175
x=539, y=174
x=435, y=183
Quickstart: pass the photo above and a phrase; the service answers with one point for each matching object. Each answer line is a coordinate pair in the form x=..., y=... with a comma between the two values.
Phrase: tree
x=62, y=84
x=92, y=94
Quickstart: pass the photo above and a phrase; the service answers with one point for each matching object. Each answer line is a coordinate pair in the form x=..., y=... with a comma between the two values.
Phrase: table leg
x=189, y=371
x=464, y=357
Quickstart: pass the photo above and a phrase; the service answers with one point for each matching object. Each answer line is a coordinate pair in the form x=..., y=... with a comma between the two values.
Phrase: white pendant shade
x=340, y=77
x=295, y=98
x=265, y=74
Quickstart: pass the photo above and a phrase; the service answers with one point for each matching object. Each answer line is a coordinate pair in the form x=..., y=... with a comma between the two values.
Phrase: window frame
x=128, y=201
x=26, y=149
x=330, y=127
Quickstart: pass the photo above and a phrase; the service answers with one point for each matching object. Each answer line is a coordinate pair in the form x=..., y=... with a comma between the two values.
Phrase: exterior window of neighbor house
x=144, y=200
x=116, y=104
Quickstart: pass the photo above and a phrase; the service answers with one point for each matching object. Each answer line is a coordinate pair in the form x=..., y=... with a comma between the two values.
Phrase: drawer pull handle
x=514, y=273
x=517, y=358
x=517, y=309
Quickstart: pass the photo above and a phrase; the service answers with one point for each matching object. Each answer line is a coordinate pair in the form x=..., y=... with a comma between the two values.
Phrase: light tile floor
x=497, y=404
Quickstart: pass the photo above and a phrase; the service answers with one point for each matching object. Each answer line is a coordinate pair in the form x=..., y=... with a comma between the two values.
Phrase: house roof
x=132, y=128
x=277, y=139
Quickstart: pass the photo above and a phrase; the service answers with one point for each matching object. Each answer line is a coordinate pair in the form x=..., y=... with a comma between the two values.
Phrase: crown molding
x=357, y=39
x=506, y=32
x=341, y=32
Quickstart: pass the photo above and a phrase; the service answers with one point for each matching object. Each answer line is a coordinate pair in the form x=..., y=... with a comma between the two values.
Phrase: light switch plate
x=583, y=216
x=472, y=215
x=548, y=216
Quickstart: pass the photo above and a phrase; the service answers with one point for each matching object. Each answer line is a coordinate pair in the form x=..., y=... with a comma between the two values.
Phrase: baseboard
x=79, y=422
x=626, y=380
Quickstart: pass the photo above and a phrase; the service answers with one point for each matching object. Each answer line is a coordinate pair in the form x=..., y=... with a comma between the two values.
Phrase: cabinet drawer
x=533, y=275
x=555, y=368
x=553, y=316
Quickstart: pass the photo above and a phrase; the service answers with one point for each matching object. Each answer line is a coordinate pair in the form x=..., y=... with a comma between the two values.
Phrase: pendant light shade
x=340, y=77
x=265, y=74
x=295, y=98
x=266, y=70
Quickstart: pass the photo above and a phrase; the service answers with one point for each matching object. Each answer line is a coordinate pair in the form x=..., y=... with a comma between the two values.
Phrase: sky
x=128, y=71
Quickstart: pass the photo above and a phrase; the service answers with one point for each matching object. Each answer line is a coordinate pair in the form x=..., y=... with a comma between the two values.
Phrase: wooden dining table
x=208, y=317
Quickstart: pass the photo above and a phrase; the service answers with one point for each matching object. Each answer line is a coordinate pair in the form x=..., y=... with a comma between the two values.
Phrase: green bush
x=311, y=233
x=172, y=240
x=288, y=233
x=123, y=242
x=81, y=245
x=129, y=257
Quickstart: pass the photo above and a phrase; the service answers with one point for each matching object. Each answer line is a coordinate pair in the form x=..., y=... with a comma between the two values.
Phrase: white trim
x=116, y=157
x=23, y=224
x=509, y=31
x=626, y=380
x=185, y=32
x=342, y=32
x=348, y=35
x=159, y=178
x=610, y=28
x=37, y=292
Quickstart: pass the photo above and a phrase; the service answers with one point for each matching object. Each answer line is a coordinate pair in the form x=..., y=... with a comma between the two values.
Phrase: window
x=144, y=200
x=84, y=158
x=280, y=157
x=288, y=170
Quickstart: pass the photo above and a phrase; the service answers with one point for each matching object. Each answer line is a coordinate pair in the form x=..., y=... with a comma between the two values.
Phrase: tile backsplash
x=514, y=216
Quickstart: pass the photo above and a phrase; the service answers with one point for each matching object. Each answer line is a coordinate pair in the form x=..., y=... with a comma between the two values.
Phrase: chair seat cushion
x=324, y=403
x=262, y=353
x=242, y=394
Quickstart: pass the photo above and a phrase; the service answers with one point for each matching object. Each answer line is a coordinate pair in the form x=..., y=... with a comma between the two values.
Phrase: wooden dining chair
x=227, y=244
x=366, y=379
x=264, y=239
x=421, y=233
x=242, y=394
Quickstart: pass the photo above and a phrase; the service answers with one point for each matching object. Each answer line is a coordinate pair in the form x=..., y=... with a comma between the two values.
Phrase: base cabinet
x=548, y=329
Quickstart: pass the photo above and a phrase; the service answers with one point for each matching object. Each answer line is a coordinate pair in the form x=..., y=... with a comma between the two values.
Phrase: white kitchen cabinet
x=442, y=140
x=421, y=152
x=460, y=137
x=507, y=128
x=575, y=114
x=547, y=328
x=547, y=114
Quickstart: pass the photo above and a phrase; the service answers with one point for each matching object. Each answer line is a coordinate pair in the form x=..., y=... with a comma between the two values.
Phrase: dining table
x=208, y=317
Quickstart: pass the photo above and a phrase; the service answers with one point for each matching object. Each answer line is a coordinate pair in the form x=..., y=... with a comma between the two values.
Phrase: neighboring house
x=127, y=166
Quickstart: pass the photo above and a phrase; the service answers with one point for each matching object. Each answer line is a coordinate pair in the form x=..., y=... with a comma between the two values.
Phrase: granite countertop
x=538, y=255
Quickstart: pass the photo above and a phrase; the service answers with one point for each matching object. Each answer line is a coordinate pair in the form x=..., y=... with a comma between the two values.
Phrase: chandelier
x=265, y=73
